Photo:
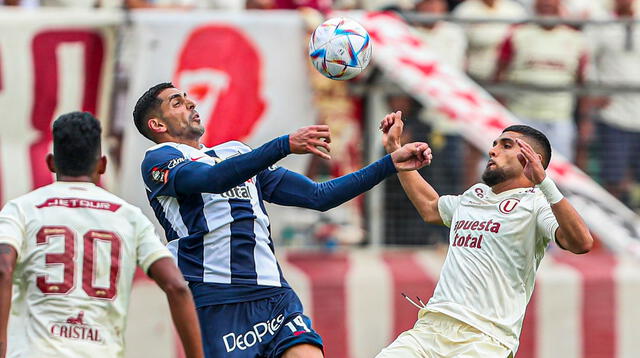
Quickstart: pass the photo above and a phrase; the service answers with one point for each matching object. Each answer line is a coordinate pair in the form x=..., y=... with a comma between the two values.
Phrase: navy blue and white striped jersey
x=221, y=239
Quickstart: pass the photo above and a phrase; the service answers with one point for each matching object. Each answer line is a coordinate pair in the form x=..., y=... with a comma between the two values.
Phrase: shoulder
x=466, y=8
x=163, y=153
x=229, y=149
x=513, y=8
x=479, y=190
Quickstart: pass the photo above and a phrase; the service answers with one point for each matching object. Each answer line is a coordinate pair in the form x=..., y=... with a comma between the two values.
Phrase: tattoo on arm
x=4, y=250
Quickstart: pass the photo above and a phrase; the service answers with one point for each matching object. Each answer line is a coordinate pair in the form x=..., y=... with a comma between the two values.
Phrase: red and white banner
x=247, y=71
x=51, y=62
x=582, y=306
x=409, y=61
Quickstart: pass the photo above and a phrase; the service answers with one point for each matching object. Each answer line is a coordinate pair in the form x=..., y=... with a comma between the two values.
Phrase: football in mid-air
x=340, y=48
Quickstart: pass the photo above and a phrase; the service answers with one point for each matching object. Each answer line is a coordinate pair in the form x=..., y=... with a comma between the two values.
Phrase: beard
x=493, y=177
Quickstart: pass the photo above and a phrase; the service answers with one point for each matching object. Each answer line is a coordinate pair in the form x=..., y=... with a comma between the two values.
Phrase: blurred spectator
x=260, y=4
x=616, y=61
x=484, y=39
x=546, y=56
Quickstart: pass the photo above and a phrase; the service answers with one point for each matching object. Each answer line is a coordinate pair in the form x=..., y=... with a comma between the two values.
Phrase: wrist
x=550, y=191
x=286, y=144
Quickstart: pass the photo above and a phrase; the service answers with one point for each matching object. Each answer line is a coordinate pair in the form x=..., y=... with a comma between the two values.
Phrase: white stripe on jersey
x=217, y=242
x=266, y=265
x=171, y=210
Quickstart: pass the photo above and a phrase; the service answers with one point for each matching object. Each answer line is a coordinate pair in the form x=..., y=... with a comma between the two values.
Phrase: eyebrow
x=503, y=140
x=175, y=95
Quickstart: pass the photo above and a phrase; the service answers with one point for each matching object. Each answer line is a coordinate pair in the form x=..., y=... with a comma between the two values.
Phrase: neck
x=490, y=3
x=78, y=179
x=511, y=184
x=195, y=143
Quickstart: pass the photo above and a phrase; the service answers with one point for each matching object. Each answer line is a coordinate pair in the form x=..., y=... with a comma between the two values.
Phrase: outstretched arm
x=7, y=264
x=167, y=172
x=295, y=189
x=422, y=195
x=572, y=234
x=183, y=310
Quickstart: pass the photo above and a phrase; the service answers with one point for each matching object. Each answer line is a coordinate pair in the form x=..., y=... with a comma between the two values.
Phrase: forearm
x=183, y=313
x=572, y=233
x=422, y=195
x=5, y=308
x=298, y=190
x=231, y=172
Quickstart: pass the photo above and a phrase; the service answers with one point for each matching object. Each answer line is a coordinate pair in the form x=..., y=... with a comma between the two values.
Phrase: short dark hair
x=76, y=143
x=538, y=137
x=148, y=103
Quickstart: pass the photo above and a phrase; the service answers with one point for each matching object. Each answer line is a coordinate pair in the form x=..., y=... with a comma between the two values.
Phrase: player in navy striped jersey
x=210, y=203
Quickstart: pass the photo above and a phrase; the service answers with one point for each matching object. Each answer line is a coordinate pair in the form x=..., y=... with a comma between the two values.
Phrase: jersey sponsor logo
x=479, y=192
x=75, y=328
x=489, y=225
x=79, y=203
x=256, y=334
x=241, y=192
x=174, y=162
x=467, y=241
x=508, y=205
x=160, y=175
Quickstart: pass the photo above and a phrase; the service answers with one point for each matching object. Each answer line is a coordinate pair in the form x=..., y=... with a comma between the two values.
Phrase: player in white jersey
x=499, y=233
x=71, y=249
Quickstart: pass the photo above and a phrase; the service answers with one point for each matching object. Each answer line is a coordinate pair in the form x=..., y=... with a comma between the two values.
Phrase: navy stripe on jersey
x=191, y=248
x=243, y=242
x=271, y=246
x=169, y=232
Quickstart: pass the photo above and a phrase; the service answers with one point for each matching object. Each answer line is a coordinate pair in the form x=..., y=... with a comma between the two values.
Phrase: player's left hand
x=412, y=156
x=531, y=162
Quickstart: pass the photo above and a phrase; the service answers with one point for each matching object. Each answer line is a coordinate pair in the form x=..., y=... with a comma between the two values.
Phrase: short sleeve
x=269, y=179
x=149, y=248
x=12, y=226
x=159, y=169
x=447, y=205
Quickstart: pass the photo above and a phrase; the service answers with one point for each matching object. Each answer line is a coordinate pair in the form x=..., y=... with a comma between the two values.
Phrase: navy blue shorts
x=260, y=328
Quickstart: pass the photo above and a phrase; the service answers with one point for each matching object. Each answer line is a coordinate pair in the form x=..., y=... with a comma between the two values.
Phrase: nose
x=191, y=104
x=492, y=152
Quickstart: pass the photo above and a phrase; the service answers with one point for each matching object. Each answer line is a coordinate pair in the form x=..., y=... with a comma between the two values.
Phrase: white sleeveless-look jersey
x=78, y=247
x=496, y=244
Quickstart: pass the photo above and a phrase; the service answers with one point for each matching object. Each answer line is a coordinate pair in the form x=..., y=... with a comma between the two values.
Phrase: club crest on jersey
x=508, y=205
x=75, y=328
x=159, y=175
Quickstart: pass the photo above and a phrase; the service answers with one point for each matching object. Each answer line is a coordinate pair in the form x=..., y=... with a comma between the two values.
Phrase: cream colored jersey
x=496, y=244
x=78, y=247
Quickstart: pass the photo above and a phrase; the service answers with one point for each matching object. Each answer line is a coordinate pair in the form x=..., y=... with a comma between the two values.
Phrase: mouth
x=490, y=163
x=195, y=117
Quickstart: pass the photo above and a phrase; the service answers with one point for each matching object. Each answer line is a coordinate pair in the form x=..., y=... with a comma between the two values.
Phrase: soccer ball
x=340, y=48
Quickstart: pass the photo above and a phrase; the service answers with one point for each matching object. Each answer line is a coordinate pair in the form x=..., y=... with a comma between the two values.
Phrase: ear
x=50, y=163
x=540, y=157
x=102, y=165
x=156, y=125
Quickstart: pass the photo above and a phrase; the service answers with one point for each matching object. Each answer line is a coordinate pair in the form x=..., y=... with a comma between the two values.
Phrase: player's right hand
x=391, y=127
x=309, y=139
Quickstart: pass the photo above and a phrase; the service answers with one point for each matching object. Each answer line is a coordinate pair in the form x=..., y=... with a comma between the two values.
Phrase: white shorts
x=438, y=335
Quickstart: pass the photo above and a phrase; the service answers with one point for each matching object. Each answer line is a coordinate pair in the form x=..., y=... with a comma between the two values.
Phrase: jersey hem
x=11, y=242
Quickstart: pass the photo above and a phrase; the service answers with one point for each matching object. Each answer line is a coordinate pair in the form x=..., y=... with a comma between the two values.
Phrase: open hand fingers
x=319, y=153
x=320, y=143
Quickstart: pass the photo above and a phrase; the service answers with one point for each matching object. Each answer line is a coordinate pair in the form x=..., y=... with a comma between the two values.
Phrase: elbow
x=583, y=246
x=6, y=273
x=176, y=288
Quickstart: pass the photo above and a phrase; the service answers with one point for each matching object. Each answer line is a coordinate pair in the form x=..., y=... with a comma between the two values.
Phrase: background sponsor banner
x=51, y=62
x=407, y=60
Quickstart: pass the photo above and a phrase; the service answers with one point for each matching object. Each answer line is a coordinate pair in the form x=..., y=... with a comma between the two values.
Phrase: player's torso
x=74, y=272
x=221, y=238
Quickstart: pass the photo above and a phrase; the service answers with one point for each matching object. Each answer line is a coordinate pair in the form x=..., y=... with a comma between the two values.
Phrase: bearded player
x=210, y=203
x=499, y=232
x=71, y=250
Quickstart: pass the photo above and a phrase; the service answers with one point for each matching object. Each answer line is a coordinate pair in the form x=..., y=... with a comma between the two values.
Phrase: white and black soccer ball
x=340, y=48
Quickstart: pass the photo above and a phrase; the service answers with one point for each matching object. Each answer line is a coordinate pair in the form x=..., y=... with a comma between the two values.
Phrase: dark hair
x=76, y=143
x=538, y=137
x=147, y=103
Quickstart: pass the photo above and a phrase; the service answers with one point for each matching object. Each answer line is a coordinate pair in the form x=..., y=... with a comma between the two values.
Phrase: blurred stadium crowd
x=578, y=81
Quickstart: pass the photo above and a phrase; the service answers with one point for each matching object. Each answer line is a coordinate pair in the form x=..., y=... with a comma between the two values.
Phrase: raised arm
x=572, y=234
x=7, y=264
x=422, y=195
x=183, y=310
